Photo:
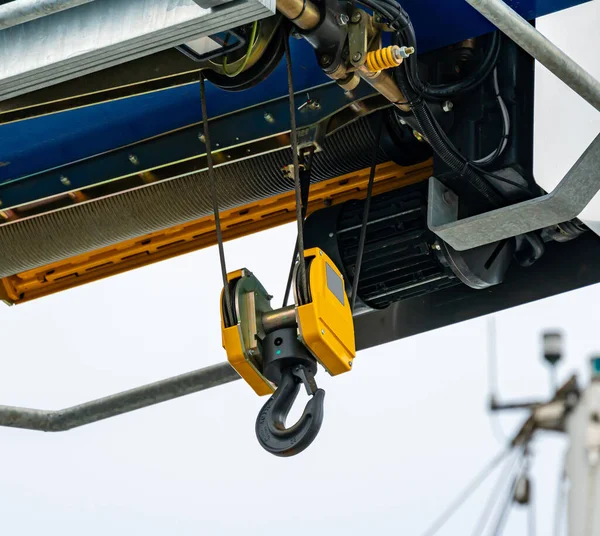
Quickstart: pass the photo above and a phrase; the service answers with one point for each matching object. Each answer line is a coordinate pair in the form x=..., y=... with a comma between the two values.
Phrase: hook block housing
x=325, y=323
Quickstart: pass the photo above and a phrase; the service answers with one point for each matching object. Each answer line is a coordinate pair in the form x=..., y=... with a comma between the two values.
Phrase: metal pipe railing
x=534, y=43
x=21, y=11
x=117, y=404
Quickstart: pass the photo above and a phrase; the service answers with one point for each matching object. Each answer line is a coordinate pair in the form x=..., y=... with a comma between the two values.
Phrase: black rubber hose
x=445, y=91
x=409, y=83
x=472, y=81
x=430, y=129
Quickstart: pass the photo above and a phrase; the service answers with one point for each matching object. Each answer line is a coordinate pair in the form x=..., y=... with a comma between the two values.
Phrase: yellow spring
x=384, y=58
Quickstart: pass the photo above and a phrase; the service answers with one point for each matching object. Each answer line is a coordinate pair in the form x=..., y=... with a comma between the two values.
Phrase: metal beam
x=565, y=203
x=20, y=11
x=117, y=404
x=547, y=53
x=98, y=35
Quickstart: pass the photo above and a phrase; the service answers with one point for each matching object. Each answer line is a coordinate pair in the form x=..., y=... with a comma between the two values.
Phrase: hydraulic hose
x=431, y=130
x=471, y=82
x=445, y=91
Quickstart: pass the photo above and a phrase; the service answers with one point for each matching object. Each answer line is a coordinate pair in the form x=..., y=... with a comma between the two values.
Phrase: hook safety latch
x=271, y=432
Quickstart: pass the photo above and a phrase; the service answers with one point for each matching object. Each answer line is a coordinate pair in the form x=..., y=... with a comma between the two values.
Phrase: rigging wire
x=365, y=220
x=466, y=493
x=495, y=494
x=305, y=195
x=288, y=285
x=508, y=500
x=296, y=165
x=228, y=313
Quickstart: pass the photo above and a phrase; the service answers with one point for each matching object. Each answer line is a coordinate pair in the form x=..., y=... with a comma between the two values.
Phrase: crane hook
x=271, y=432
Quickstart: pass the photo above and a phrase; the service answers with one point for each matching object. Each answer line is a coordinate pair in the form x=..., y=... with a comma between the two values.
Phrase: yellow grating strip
x=199, y=234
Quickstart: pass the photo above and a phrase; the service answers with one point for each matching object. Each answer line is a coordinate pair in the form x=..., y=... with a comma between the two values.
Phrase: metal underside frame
x=574, y=192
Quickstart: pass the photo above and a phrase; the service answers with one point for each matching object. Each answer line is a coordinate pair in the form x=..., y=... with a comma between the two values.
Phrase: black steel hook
x=271, y=432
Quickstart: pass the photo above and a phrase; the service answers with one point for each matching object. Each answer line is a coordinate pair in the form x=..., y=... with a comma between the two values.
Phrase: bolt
x=447, y=106
x=251, y=352
x=314, y=105
x=134, y=160
x=269, y=118
x=217, y=145
x=402, y=121
x=357, y=56
x=437, y=247
x=350, y=363
x=201, y=138
x=65, y=180
x=248, y=151
x=418, y=135
x=331, y=235
x=356, y=16
x=398, y=56
x=296, y=34
x=342, y=19
x=322, y=332
x=406, y=52
x=325, y=60
x=447, y=197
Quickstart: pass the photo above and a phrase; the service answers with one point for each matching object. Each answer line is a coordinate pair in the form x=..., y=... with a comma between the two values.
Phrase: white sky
x=403, y=432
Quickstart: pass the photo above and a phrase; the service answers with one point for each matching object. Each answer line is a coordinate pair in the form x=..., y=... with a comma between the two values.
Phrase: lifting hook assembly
x=271, y=432
x=288, y=363
x=276, y=351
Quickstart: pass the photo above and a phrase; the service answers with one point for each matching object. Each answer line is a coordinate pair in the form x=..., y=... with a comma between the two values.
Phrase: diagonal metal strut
x=543, y=50
x=119, y=403
x=564, y=203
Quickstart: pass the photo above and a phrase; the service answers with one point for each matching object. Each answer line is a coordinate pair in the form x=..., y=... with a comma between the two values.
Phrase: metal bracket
x=358, y=37
x=565, y=203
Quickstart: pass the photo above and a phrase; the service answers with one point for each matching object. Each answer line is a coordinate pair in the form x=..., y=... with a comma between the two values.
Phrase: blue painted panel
x=38, y=144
